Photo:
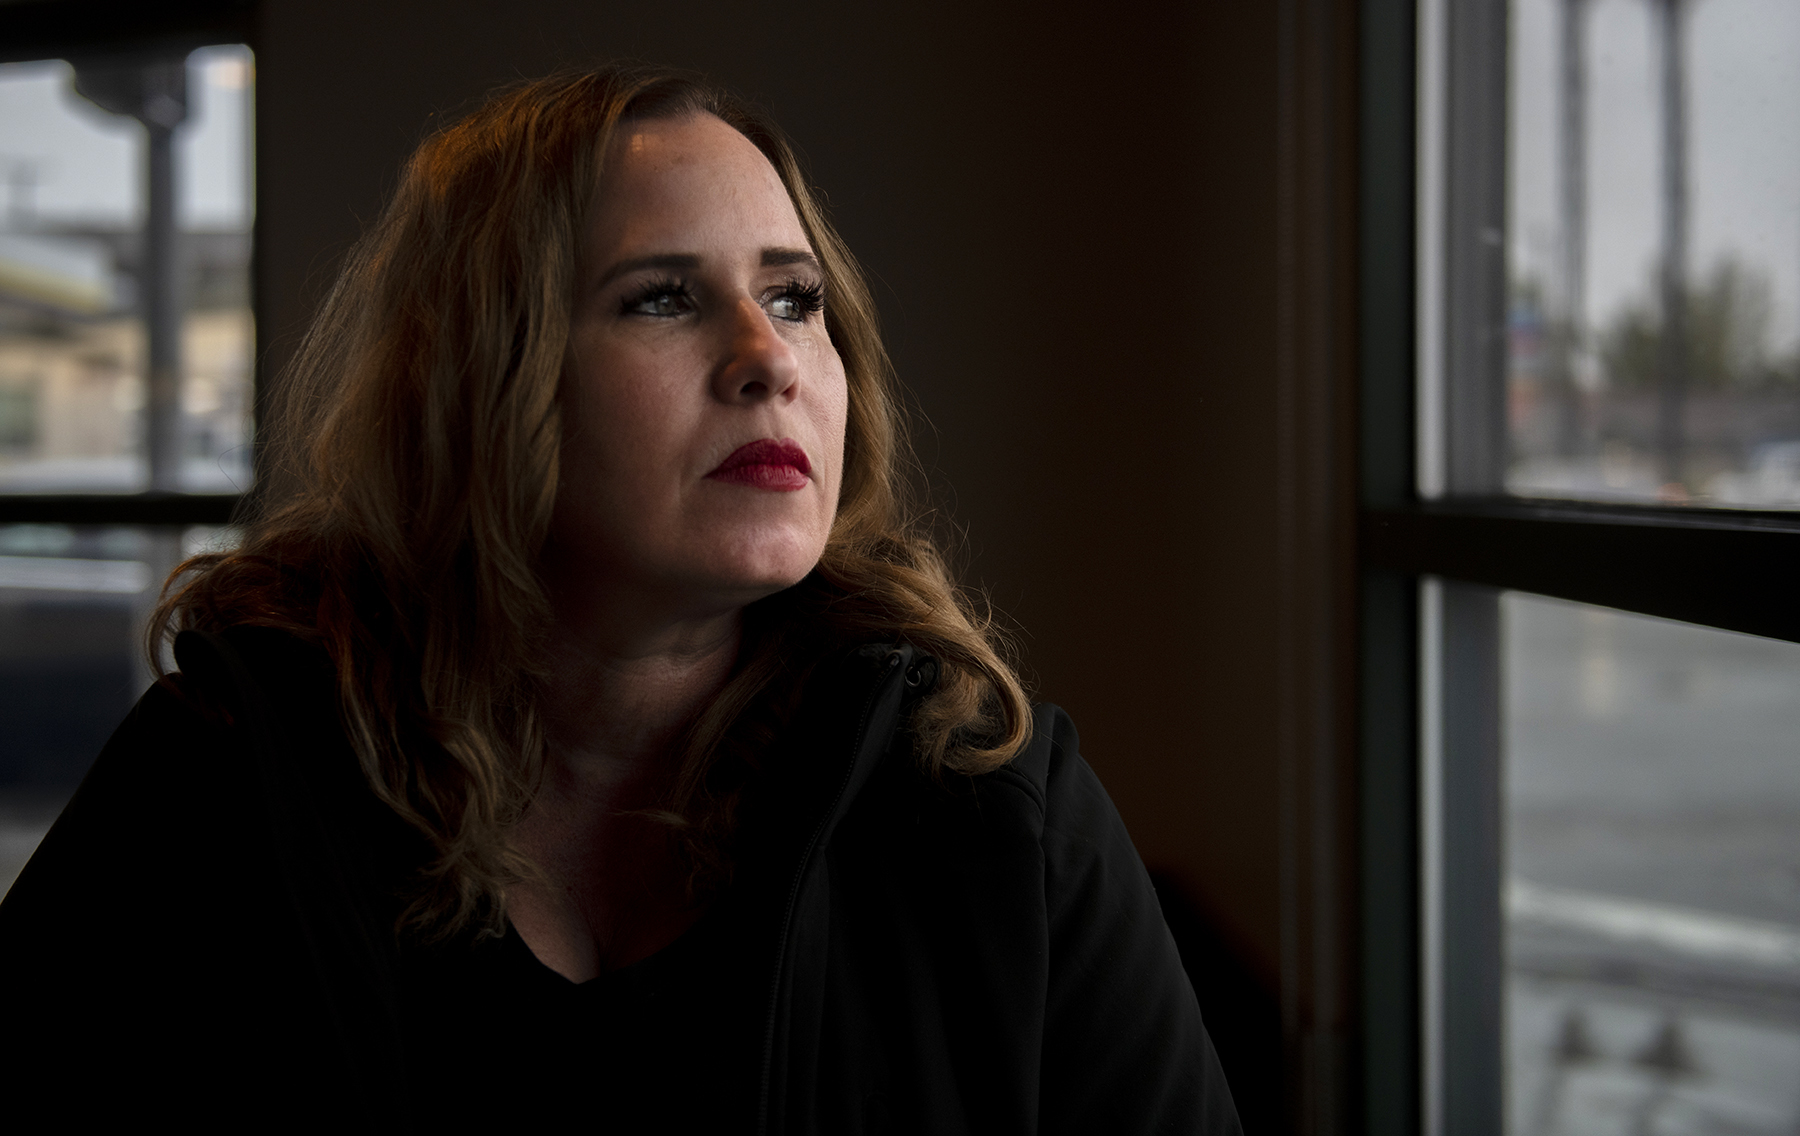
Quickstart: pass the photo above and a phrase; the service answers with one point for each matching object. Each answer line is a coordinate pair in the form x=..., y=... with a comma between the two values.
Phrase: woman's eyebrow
x=684, y=261
x=777, y=257
x=672, y=260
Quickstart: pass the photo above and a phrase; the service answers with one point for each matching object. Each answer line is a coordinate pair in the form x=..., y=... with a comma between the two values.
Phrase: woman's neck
x=615, y=706
x=615, y=703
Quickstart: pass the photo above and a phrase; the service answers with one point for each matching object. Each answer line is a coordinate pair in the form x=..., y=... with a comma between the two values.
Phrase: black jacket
x=208, y=929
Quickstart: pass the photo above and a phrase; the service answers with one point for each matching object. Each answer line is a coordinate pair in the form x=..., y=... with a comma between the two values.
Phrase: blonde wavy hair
x=412, y=468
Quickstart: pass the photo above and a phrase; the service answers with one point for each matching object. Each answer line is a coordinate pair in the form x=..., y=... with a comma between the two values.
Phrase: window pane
x=1652, y=831
x=77, y=269
x=72, y=606
x=1653, y=251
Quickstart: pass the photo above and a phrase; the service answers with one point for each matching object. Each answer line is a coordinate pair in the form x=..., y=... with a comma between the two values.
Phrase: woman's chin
x=765, y=580
x=718, y=585
x=767, y=562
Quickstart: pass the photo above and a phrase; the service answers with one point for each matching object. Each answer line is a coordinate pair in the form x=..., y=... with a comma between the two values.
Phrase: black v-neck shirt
x=670, y=1043
x=959, y=955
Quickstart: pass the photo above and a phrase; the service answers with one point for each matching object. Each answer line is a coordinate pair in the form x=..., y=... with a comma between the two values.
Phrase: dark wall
x=1072, y=223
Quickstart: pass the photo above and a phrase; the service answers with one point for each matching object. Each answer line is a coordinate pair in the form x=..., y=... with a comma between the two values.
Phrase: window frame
x=1724, y=568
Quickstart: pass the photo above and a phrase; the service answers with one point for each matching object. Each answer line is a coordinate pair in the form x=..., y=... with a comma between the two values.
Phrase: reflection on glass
x=1652, y=828
x=72, y=606
x=1654, y=251
x=76, y=397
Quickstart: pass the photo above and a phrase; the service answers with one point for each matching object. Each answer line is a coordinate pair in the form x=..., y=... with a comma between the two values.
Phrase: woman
x=584, y=729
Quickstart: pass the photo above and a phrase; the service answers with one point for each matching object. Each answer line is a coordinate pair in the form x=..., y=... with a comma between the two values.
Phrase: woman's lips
x=766, y=464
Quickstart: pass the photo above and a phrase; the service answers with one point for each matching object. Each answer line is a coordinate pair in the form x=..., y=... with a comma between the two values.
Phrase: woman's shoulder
x=167, y=774
x=156, y=776
x=1051, y=772
x=218, y=763
x=1047, y=795
x=1049, y=758
x=246, y=670
x=166, y=830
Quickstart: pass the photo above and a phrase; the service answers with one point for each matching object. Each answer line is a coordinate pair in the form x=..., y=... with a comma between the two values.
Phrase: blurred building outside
x=72, y=370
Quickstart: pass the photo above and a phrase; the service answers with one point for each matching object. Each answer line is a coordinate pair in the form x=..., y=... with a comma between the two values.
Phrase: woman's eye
x=796, y=301
x=662, y=298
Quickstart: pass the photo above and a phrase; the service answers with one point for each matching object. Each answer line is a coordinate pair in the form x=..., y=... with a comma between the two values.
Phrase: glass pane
x=1653, y=251
x=72, y=605
x=1652, y=828
x=76, y=271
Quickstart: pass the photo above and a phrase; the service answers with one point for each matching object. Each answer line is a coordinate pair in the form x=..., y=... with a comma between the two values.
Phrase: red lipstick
x=766, y=464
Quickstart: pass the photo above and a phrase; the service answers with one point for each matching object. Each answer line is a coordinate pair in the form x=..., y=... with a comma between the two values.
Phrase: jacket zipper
x=787, y=917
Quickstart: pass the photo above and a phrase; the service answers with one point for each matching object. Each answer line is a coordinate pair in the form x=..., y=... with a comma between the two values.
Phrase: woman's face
x=704, y=401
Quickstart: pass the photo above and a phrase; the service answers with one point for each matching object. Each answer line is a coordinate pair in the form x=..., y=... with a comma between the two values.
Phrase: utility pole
x=1672, y=355
x=21, y=195
x=153, y=91
x=1570, y=338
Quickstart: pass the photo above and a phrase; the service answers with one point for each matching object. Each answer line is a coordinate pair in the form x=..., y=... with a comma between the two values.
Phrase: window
x=1653, y=282
x=127, y=337
x=1580, y=313
x=1650, y=796
x=99, y=300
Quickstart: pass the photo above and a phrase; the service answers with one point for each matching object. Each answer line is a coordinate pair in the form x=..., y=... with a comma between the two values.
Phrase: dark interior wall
x=1072, y=223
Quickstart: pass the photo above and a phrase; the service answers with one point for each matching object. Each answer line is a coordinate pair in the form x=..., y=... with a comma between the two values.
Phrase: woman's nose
x=759, y=364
